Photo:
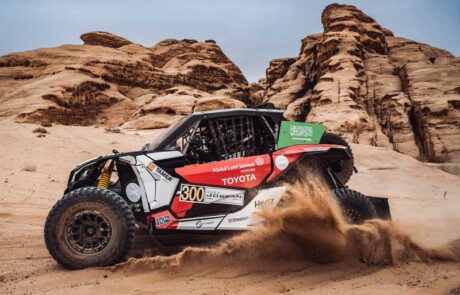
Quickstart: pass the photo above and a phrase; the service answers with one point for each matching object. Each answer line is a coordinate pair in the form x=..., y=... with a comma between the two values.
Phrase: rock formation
x=104, y=39
x=110, y=80
x=355, y=77
x=374, y=88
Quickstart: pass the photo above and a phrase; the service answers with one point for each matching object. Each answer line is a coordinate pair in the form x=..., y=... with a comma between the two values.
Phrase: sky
x=250, y=32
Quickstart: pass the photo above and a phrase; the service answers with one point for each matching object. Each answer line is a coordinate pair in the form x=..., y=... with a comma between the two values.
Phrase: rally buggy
x=209, y=172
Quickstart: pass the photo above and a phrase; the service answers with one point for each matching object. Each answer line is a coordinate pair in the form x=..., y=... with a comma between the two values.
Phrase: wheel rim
x=89, y=232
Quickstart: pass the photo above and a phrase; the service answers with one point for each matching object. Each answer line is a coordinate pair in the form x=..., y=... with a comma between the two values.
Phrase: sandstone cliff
x=110, y=80
x=355, y=77
x=374, y=88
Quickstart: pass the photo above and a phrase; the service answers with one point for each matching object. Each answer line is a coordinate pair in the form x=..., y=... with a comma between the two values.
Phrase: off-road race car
x=208, y=173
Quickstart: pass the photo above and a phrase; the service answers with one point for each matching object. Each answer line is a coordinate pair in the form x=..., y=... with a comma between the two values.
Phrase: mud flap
x=381, y=206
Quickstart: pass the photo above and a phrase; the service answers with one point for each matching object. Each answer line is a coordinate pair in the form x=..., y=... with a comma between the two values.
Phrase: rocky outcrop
x=299, y=78
x=257, y=92
x=360, y=80
x=213, y=103
x=118, y=82
x=104, y=39
x=277, y=69
x=434, y=90
x=355, y=77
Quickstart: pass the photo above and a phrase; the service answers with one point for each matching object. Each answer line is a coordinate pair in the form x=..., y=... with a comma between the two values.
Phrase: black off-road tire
x=110, y=206
x=343, y=169
x=355, y=206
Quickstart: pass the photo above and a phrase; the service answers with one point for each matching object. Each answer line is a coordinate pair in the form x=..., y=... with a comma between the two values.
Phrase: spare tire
x=343, y=168
x=355, y=206
x=89, y=227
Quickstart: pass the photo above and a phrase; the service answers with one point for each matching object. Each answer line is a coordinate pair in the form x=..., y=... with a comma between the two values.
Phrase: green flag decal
x=292, y=133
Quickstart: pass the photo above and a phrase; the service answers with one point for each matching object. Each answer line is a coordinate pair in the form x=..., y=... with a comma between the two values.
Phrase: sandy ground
x=425, y=203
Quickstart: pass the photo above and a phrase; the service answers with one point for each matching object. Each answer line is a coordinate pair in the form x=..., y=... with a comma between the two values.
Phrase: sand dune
x=425, y=203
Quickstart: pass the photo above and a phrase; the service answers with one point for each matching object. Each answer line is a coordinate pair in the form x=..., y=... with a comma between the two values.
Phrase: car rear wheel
x=89, y=227
x=343, y=168
x=355, y=206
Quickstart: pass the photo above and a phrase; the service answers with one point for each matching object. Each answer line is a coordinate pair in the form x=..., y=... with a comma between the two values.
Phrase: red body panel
x=248, y=172
x=180, y=208
x=305, y=148
x=284, y=158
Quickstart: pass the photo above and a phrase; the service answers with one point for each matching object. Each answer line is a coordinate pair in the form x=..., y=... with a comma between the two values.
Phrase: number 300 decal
x=192, y=193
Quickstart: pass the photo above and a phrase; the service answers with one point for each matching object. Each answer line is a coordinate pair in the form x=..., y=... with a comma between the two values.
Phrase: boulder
x=104, y=39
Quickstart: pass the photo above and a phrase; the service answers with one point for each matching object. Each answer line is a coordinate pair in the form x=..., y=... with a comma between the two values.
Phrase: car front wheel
x=89, y=227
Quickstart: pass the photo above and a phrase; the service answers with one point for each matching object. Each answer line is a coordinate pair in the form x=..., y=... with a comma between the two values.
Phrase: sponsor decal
x=281, y=162
x=238, y=219
x=258, y=161
x=163, y=220
x=264, y=203
x=239, y=179
x=157, y=171
x=151, y=166
x=200, y=223
x=208, y=195
x=224, y=196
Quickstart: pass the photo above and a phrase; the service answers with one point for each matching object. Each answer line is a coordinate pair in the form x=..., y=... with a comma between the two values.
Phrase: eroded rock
x=118, y=81
x=360, y=80
x=355, y=77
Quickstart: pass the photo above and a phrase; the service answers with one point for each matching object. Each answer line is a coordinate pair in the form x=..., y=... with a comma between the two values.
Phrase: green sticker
x=292, y=133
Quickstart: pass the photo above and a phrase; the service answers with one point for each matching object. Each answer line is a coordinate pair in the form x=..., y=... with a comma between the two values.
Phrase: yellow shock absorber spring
x=104, y=180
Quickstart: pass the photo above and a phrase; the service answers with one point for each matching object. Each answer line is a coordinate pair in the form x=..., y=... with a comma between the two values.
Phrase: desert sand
x=424, y=201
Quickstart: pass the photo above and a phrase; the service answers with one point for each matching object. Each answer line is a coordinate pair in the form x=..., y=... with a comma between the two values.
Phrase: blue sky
x=250, y=32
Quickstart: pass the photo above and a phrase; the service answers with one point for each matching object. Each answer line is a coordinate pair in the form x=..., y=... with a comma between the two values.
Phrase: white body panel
x=200, y=224
x=247, y=217
x=158, y=184
x=147, y=184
